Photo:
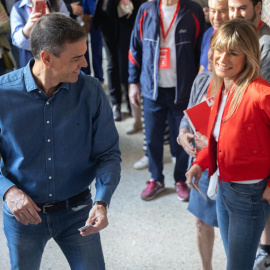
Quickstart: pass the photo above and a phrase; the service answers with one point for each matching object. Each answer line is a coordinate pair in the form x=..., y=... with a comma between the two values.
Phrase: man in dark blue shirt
x=57, y=135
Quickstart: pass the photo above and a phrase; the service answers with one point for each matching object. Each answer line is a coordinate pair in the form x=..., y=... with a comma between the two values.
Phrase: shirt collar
x=25, y=3
x=30, y=83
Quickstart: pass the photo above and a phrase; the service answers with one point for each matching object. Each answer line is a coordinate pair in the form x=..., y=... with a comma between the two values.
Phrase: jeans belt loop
x=67, y=204
x=220, y=180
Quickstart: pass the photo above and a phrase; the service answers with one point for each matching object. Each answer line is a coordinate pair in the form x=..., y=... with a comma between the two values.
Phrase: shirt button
x=39, y=91
x=49, y=158
x=219, y=150
x=48, y=103
x=223, y=121
x=50, y=177
x=50, y=195
x=48, y=122
x=49, y=140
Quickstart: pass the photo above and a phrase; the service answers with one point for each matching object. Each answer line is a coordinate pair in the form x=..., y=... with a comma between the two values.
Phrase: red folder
x=198, y=115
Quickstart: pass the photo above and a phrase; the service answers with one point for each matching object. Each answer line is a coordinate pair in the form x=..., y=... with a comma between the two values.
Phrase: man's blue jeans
x=156, y=112
x=242, y=214
x=26, y=243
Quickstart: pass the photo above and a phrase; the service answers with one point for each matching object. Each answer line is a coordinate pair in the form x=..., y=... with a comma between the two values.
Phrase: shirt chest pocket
x=252, y=139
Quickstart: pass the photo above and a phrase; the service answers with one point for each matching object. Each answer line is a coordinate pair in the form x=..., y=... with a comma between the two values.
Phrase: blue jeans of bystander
x=156, y=112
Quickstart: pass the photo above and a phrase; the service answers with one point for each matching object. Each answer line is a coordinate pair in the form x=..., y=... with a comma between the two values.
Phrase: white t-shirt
x=167, y=77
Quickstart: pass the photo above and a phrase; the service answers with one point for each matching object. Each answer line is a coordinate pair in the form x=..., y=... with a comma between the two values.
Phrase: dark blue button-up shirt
x=53, y=148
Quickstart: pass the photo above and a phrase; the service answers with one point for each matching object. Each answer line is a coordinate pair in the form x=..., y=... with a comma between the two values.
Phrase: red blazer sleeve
x=202, y=159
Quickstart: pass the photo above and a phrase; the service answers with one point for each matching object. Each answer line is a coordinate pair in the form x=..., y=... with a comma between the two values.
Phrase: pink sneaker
x=153, y=188
x=182, y=191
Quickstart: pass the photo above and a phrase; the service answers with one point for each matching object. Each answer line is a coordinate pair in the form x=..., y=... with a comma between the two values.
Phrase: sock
x=266, y=248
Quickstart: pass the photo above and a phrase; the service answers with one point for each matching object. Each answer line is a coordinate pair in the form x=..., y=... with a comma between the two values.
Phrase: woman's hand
x=266, y=194
x=194, y=171
x=33, y=18
x=201, y=141
x=184, y=140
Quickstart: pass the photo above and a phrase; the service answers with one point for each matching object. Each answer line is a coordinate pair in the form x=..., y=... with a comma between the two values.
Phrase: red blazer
x=243, y=148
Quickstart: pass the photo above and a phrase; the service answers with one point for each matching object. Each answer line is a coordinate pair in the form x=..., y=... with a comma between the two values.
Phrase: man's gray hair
x=52, y=32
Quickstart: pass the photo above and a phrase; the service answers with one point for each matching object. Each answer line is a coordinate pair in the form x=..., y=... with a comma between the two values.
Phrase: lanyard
x=161, y=19
x=260, y=25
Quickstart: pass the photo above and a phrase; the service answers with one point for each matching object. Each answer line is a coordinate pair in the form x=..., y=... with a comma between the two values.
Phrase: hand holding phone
x=85, y=227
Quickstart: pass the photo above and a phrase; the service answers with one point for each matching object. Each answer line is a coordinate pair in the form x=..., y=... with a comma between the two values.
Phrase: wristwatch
x=101, y=203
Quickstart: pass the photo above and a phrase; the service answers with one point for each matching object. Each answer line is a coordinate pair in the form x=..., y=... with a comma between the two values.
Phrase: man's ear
x=258, y=8
x=46, y=58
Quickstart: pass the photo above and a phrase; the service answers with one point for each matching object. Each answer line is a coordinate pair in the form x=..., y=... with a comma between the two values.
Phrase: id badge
x=164, y=58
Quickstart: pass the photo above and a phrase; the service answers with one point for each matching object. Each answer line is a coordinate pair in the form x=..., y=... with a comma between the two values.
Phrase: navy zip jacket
x=144, y=48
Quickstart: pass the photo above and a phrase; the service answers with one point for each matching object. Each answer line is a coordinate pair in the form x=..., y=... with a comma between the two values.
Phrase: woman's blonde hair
x=242, y=36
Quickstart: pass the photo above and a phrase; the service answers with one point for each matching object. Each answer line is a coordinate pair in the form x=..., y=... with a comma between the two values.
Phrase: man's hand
x=194, y=171
x=201, y=141
x=77, y=9
x=135, y=94
x=98, y=215
x=266, y=194
x=22, y=206
x=184, y=140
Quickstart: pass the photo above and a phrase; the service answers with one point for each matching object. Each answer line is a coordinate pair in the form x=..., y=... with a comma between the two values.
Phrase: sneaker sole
x=140, y=167
x=183, y=199
x=150, y=198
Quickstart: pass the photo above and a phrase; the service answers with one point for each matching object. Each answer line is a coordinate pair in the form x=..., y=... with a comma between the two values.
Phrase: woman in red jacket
x=239, y=142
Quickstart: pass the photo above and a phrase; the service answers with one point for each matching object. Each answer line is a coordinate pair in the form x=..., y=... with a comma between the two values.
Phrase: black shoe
x=117, y=113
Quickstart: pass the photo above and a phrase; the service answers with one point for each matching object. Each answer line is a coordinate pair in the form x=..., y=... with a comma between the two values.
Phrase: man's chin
x=74, y=77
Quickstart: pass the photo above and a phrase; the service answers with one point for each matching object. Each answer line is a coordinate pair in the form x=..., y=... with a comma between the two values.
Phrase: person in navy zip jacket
x=162, y=31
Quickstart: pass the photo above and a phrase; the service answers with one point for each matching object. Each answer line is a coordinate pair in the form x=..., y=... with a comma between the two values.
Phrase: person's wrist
x=26, y=32
x=101, y=203
x=179, y=135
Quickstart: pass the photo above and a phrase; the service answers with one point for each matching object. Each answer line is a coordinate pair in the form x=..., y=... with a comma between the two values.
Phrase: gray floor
x=155, y=235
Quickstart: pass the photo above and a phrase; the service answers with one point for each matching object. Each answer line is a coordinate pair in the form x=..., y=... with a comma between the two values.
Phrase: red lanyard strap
x=161, y=19
x=260, y=25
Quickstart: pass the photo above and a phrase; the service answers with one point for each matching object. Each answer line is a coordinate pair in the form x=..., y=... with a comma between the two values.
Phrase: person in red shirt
x=238, y=142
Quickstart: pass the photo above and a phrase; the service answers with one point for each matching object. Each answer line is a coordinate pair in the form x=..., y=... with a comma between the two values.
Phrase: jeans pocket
x=6, y=209
x=81, y=205
x=241, y=189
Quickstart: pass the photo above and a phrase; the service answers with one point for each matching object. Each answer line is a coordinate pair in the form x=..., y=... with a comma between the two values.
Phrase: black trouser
x=109, y=36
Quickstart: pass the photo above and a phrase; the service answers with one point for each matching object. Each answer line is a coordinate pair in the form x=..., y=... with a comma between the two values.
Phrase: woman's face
x=228, y=64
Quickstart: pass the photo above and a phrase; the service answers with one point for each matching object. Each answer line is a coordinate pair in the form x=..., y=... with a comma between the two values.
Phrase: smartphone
x=85, y=227
x=40, y=6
